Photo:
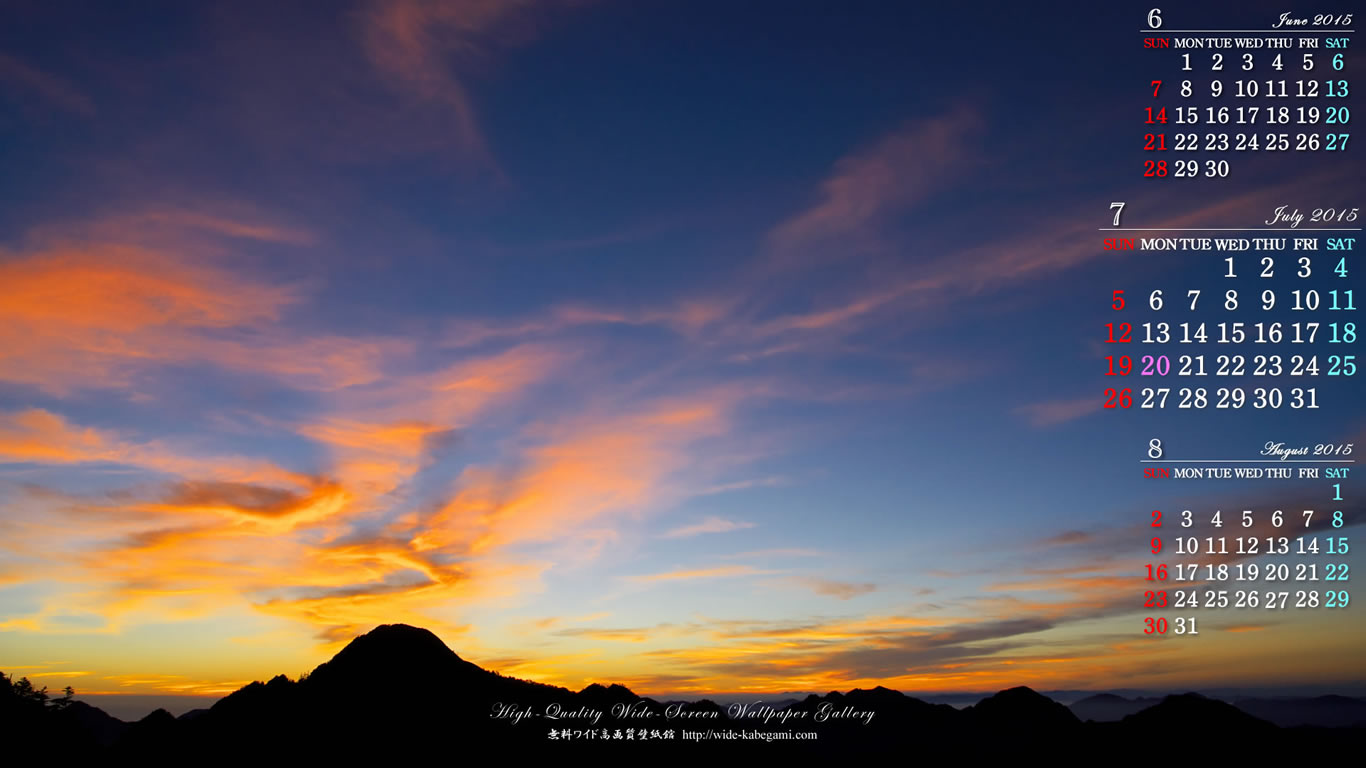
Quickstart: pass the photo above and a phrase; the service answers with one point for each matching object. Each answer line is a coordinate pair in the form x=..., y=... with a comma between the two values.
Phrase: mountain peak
x=395, y=654
x=158, y=716
x=397, y=638
x=399, y=633
x=1103, y=697
x=606, y=695
x=1192, y=707
x=1023, y=707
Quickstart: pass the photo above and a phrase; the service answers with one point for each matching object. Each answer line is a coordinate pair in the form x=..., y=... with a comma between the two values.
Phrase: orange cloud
x=122, y=289
x=186, y=561
x=611, y=635
x=324, y=499
x=591, y=472
x=445, y=398
x=177, y=684
x=84, y=315
x=378, y=437
x=824, y=654
x=39, y=436
x=178, y=554
x=93, y=305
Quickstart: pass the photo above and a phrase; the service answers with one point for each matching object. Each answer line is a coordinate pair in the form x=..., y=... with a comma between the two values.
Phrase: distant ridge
x=1321, y=711
x=401, y=690
x=1021, y=711
x=1108, y=708
x=1183, y=709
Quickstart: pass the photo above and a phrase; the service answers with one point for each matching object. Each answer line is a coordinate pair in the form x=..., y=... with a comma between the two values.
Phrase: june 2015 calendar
x=536, y=378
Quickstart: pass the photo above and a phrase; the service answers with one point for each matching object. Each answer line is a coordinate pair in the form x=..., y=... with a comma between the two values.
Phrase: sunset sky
x=695, y=346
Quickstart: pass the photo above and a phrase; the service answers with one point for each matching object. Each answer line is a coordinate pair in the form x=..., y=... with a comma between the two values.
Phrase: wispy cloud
x=781, y=552
x=693, y=574
x=708, y=525
x=625, y=635
x=843, y=590
x=49, y=88
x=887, y=178
x=595, y=471
x=1051, y=413
x=92, y=306
x=429, y=49
x=1068, y=538
x=40, y=436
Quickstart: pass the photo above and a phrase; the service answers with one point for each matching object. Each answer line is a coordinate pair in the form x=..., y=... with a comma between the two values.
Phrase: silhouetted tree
x=63, y=701
x=22, y=690
x=23, y=693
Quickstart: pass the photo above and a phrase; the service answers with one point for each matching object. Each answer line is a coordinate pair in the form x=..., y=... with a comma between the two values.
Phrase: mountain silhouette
x=1175, y=712
x=1321, y=711
x=101, y=729
x=400, y=690
x=605, y=697
x=397, y=651
x=1021, y=711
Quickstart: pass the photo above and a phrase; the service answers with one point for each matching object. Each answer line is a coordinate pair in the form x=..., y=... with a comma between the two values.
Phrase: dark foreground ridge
x=399, y=689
